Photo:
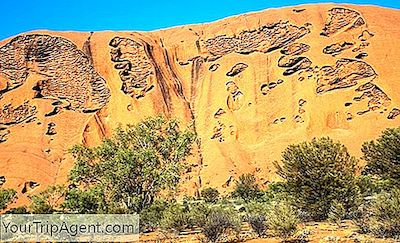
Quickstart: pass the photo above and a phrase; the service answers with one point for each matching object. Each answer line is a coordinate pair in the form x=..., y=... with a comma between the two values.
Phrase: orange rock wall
x=252, y=84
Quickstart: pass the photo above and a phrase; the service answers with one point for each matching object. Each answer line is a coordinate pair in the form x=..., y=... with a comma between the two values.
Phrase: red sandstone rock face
x=252, y=84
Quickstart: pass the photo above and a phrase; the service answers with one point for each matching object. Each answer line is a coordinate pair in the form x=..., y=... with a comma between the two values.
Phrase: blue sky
x=83, y=15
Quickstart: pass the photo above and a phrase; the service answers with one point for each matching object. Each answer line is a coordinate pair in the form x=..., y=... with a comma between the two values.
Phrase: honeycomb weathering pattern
x=337, y=48
x=66, y=70
x=377, y=98
x=295, y=49
x=137, y=72
x=265, y=39
x=340, y=19
x=294, y=64
x=344, y=74
x=14, y=115
x=238, y=68
x=251, y=85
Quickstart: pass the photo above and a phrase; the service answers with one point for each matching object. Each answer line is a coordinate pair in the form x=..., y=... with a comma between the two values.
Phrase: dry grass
x=346, y=231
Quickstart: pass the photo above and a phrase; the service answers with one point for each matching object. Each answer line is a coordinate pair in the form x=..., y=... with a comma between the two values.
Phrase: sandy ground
x=318, y=232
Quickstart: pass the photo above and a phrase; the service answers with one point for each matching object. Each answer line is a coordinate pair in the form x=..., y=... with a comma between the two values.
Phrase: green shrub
x=48, y=201
x=256, y=216
x=318, y=173
x=337, y=213
x=150, y=217
x=369, y=185
x=198, y=213
x=89, y=201
x=383, y=155
x=6, y=197
x=210, y=195
x=133, y=167
x=282, y=219
x=380, y=216
x=276, y=191
x=247, y=188
x=18, y=210
x=175, y=218
x=219, y=221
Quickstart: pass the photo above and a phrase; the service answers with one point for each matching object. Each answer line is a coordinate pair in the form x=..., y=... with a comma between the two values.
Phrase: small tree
x=6, y=197
x=89, y=201
x=381, y=215
x=276, y=191
x=150, y=217
x=132, y=168
x=337, y=213
x=210, y=195
x=219, y=221
x=18, y=210
x=175, y=218
x=198, y=213
x=318, y=173
x=282, y=219
x=256, y=216
x=247, y=188
x=383, y=156
x=48, y=201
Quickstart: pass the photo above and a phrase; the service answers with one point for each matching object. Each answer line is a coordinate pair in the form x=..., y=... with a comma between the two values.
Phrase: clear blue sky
x=23, y=15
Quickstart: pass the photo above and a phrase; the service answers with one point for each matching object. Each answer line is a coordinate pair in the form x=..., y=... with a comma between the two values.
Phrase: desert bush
x=150, y=217
x=6, y=197
x=210, y=195
x=48, y=201
x=131, y=169
x=282, y=218
x=380, y=215
x=18, y=210
x=175, y=218
x=219, y=221
x=275, y=191
x=337, y=212
x=383, y=156
x=247, y=188
x=318, y=173
x=89, y=201
x=256, y=216
x=257, y=211
x=198, y=213
x=369, y=185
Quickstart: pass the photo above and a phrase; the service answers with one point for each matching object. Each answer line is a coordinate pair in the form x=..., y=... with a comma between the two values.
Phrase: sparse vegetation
x=89, y=201
x=175, y=218
x=383, y=156
x=210, y=195
x=48, y=201
x=282, y=219
x=276, y=191
x=198, y=213
x=219, y=221
x=320, y=183
x=247, y=188
x=380, y=215
x=150, y=217
x=318, y=173
x=256, y=216
x=6, y=197
x=18, y=210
